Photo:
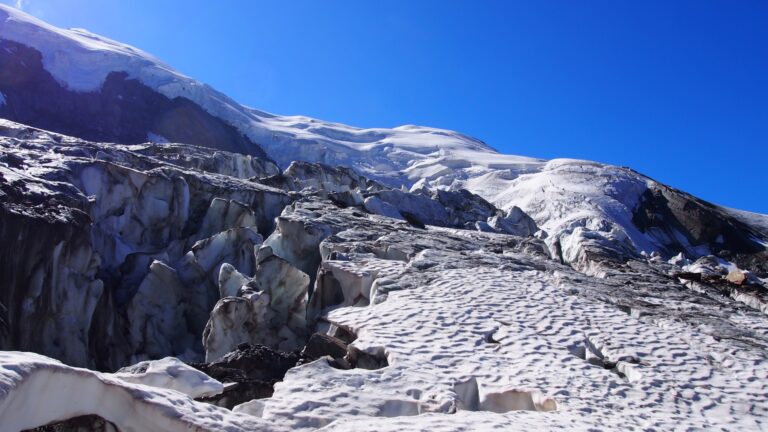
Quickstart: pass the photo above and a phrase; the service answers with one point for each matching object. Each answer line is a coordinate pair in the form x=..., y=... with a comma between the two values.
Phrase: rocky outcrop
x=681, y=222
x=248, y=372
x=88, y=423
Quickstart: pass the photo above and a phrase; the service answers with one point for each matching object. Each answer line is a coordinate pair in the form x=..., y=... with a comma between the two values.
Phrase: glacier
x=288, y=273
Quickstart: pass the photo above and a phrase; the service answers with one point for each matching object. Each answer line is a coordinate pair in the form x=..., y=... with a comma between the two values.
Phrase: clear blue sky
x=675, y=89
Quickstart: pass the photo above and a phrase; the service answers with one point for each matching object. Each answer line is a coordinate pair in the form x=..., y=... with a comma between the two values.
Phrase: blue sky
x=677, y=90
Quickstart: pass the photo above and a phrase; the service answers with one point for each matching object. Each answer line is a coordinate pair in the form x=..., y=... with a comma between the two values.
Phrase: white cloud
x=20, y=4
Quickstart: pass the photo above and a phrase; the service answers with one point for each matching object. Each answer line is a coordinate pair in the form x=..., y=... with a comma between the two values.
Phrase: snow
x=487, y=343
x=476, y=333
x=569, y=199
x=36, y=390
x=81, y=61
x=172, y=373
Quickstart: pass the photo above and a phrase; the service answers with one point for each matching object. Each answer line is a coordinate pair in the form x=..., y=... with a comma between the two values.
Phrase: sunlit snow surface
x=480, y=332
x=544, y=351
x=63, y=392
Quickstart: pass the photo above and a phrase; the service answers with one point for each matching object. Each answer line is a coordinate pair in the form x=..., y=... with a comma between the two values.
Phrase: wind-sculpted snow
x=485, y=330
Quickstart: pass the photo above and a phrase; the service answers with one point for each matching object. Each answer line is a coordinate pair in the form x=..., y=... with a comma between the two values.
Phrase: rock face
x=122, y=110
x=678, y=221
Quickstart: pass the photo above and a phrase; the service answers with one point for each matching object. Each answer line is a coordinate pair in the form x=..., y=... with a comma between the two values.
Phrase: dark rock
x=344, y=199
x=86, y=423
x=665, y=213
x=364, y=360
x=255, y=361
x=249, y=372
x=123, y=110
x=413, y=220
x=321, y=345
x=12, y=160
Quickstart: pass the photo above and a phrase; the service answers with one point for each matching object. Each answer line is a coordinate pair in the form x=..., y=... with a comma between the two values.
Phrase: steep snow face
x=78, y=58
x=83, y=61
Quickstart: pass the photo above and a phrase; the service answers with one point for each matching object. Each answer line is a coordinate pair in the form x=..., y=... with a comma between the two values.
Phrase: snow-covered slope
x=452, y=330
x=578, y=203
x=82, y=62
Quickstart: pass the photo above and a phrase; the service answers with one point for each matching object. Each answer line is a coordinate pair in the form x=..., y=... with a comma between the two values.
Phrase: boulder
x=321, y=345
x=737, y=277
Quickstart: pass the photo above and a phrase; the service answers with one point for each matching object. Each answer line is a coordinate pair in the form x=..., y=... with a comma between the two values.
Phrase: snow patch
x=64, y=392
